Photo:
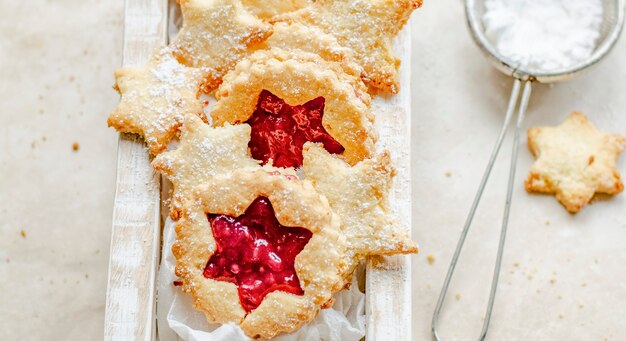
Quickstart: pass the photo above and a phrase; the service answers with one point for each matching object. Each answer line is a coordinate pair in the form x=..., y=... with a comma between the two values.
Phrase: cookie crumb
x=561, y=316
x=552, y=280
x=75, y=146
x=448, y=173
x=431, y=259
x=23, y=233
x=457, y=296
x=580, y=306
x=584, y=285
x=516, y=264
x=547, y=222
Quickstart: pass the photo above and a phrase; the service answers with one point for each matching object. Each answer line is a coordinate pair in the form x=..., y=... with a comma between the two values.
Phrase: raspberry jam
x=256, y=253
x=280, y=130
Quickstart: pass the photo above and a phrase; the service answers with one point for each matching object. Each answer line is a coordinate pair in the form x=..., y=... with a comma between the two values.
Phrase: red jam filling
x=256, y=253
x=280, y=130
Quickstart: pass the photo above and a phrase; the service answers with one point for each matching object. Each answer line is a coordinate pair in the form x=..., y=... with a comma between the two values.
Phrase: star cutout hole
x=256, y=253
x=280, y=130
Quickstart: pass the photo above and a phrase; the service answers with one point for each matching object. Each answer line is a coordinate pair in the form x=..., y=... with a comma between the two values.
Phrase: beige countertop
x=562, y=275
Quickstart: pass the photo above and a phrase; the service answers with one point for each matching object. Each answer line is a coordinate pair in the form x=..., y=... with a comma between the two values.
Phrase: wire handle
x=507, y=208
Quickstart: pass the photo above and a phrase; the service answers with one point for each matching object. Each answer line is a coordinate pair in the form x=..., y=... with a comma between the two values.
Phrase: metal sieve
x=612, y=24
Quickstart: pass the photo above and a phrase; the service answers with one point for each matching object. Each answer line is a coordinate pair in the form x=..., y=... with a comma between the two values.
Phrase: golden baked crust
x=359, y=195
x=202, y=153
x=155, y=98
x=575, y=161
x=296, y=36
x=367, y=27
x=266, y=9
x=319, y=265
x=215, y=35
x=298, y=77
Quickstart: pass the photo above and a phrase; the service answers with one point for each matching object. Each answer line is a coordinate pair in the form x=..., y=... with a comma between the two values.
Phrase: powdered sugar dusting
x=544, y=35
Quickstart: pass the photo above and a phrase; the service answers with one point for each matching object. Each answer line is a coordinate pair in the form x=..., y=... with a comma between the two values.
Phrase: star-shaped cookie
x=574, y=160
x=215, y=35
x=359, y=195
x=266, y=9
x=155, y=98
x=366, y=26
x=202, y=153
x=318, y=266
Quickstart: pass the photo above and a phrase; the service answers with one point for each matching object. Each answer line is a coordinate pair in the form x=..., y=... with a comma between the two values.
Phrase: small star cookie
x=297, y=78
x=202, y=153
x=155, y=98
x=366, y=26
x=215, y=35
x=266, y=9
x=260, y=249
x=575, y=161
x=359, y=195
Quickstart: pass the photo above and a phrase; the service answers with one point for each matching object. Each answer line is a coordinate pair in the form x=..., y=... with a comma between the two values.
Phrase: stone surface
x=56, y=63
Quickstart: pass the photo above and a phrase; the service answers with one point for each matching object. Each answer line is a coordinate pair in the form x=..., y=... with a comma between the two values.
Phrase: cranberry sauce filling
x=279, y=130
x=256, y=252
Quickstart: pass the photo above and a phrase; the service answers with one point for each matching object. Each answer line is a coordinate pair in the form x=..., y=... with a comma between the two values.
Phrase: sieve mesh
x=612, y=22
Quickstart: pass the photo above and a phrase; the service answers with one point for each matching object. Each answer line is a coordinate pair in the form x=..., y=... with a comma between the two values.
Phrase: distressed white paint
x=135, y=235
x=388, y=281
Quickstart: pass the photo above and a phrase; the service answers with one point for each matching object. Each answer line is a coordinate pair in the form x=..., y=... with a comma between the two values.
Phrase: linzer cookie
x=317, y=94
x=260, y=249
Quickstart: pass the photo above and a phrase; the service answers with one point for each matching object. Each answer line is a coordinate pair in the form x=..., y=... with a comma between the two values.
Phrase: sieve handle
x=481, y=188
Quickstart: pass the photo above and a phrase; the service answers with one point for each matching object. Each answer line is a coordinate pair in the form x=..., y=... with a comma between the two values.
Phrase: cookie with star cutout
x=290, y=97
x=574, y=161
x=261, y=249
x=367, y=27
x=203, y=152
x=359, y=195
x=215, y=35
x=155, y=98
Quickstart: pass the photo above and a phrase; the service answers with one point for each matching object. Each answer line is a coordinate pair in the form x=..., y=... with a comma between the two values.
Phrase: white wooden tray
x=136, y=232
